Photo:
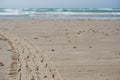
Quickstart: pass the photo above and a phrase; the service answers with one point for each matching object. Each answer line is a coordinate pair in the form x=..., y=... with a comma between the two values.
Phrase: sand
x=34, y=49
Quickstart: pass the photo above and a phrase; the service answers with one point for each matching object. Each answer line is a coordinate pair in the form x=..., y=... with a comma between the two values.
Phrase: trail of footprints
x=27, y=62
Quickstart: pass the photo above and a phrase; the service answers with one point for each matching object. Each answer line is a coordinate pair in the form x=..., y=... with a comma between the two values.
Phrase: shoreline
x=61, y=18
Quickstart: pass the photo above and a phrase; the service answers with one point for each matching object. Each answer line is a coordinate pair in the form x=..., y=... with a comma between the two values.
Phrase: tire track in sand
x=28, y=63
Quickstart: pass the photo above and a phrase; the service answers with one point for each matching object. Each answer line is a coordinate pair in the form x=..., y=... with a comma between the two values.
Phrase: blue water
x=61, y=13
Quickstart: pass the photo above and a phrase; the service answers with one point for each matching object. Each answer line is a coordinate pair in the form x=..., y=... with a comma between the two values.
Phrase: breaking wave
x=62, y=12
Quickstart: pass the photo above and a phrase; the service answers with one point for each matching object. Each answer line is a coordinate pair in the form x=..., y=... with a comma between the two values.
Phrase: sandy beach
x=59, y=49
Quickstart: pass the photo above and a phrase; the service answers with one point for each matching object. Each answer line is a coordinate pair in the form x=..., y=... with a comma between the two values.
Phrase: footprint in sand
x=37, y=68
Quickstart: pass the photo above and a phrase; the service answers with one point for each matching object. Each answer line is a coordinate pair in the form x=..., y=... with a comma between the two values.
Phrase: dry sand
x=34, y=49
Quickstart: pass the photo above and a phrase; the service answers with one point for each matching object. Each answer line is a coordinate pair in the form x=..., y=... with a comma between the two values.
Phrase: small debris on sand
x=78, y=32
x=52, y=49
x=67, y=33
x=35, y=38
x=66, y=29
x=74, y=47
x=1, y=64
x=118, y=29
x=90, y=47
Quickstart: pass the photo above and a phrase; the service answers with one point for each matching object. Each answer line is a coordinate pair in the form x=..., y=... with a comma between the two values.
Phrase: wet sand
x=72, y=49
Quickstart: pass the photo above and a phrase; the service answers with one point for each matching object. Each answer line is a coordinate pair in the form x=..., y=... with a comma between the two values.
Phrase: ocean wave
x=13, y=12
x=61, y=12
x=57, y=13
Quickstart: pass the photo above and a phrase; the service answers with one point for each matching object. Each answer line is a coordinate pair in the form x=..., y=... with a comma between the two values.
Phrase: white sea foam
x=109, y=9
x=60, y=12
x=14, y=12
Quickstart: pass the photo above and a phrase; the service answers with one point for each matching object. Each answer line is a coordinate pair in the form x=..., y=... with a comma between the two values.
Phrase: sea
x=61, y=13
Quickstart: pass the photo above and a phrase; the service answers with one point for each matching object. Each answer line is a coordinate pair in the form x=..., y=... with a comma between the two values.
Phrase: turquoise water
x=61, y=13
